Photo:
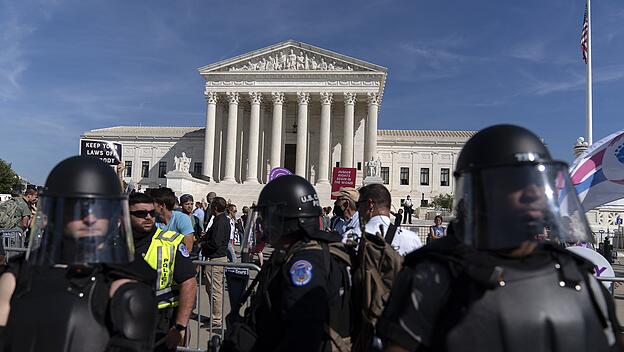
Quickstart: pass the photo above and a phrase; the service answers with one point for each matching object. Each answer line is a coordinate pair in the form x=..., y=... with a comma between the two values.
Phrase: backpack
x=376, y=266
x=9, y=214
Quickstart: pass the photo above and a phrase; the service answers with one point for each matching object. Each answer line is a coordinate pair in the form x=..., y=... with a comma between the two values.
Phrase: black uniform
x=79, y=247
x=303, y=296
x=452, y=298
x=70, y=309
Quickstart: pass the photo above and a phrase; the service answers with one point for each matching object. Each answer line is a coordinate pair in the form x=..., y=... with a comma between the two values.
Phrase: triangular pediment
x=291, y=56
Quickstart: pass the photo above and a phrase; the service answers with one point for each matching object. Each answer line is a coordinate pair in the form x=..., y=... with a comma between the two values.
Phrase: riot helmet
x=509, y=190
x=288, y=206
x=82, y=217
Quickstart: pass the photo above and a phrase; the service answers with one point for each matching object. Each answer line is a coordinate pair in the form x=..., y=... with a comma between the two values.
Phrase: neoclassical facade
x=291, y=105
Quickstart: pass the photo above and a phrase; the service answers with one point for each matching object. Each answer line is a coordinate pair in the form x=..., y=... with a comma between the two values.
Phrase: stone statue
x=373, y=168
x=182, y=163
x=312, y=175
x=292, y=60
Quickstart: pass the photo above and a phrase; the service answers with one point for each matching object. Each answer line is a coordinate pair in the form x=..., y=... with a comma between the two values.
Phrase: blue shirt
x=179, y=222
x=438, y=231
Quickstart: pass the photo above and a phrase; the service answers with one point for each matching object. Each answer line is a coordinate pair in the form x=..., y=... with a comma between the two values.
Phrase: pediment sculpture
x=290, y=61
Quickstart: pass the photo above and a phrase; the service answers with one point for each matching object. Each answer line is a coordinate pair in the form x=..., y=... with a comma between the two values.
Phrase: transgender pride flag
x=598, y=174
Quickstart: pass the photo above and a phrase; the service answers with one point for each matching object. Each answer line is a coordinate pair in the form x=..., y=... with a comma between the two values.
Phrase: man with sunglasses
x=75, y=289
x=175, y=285
x=496, y=282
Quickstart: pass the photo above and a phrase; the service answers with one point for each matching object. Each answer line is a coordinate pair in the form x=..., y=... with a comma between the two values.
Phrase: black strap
x=392, y=229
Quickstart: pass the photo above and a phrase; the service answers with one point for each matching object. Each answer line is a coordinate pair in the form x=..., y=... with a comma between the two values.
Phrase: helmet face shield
x=71, y=230
x=499, y=208
x=269, y=224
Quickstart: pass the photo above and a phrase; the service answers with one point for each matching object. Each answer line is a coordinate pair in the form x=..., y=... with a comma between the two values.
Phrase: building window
x=424, y=176
x=145, y=169
x=128, y=166
x=162, y=169
x=404, y=176
x=444, y=176
x=385, y=175
x=359, y=164
x=197, y=167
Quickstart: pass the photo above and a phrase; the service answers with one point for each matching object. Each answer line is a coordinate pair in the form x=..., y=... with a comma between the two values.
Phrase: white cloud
x=576, y=81
x=12, y=61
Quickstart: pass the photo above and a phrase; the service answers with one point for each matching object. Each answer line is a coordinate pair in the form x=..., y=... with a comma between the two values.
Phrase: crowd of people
x=109, y=271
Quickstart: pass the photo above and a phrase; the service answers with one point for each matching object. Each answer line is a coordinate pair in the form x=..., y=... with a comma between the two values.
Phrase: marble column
x=276, y=130
x=302, y=133
x=209, y=137
x=346, y=157
x=254, y=136
x=230, y=149
x=323, y=167
x=371, y=127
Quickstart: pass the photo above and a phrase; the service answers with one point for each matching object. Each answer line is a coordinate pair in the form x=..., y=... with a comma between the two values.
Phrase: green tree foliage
x=8, y=177
x=443, y=201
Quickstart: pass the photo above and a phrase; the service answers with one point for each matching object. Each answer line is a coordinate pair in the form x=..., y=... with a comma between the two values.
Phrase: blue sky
x=70, y=66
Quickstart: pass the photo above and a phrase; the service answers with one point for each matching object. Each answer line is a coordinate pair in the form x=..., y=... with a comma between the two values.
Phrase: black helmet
x=288, y=206
x=509, y=190
x=82, y=216
x=501, y=145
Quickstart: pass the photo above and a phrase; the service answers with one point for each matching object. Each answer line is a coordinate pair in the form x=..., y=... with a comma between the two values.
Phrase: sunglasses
x=143, y=213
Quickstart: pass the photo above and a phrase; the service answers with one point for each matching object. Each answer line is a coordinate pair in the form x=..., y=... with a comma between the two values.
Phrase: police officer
x=501, y=280
x=175, y=285
x=302, y=301
x=74, y=290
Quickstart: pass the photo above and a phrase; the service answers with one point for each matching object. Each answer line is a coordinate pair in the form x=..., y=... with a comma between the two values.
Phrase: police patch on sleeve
x=301, y=272
x=182, y=248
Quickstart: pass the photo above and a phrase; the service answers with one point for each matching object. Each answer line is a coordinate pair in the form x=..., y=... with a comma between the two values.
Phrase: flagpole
x=589, y=77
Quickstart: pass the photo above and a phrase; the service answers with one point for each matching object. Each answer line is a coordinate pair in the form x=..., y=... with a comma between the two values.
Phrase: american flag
x=585, y=36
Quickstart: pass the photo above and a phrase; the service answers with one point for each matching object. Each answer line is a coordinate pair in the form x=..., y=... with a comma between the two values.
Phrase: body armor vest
x=53, y=309
x=529, y=310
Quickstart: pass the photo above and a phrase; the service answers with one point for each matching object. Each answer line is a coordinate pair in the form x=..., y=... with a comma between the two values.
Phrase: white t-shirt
x=404, y=241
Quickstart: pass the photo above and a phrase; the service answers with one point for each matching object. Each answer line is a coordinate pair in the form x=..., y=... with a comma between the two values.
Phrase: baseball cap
x=347, y=192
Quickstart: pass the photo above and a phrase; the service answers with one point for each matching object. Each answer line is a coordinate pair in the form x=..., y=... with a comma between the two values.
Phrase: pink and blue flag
x=598, y=173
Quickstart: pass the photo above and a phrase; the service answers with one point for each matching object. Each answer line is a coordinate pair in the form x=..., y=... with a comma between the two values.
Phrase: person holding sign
x=499, y=281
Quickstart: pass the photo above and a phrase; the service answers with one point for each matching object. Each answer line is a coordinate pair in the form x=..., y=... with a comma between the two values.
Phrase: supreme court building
x=288, y=105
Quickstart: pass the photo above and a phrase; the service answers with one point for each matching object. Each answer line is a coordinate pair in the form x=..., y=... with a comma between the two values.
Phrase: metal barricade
x=421, y=230
x=13, y=242
x=235, y=277
x=615, y=281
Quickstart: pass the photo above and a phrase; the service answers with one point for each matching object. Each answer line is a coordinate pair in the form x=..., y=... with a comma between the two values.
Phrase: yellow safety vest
x=161, y=257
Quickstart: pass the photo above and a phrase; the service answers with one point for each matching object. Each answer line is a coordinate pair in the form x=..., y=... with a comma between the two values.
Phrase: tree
x=8, y=178
x=443, y=201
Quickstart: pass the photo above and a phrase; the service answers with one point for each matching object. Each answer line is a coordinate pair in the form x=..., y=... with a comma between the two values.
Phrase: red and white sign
x=343, y=177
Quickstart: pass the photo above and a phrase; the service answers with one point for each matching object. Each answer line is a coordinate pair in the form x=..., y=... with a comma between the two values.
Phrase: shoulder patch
x=183, y=250
x=301, y=273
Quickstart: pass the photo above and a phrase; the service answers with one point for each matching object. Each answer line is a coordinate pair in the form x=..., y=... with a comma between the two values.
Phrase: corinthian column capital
x=255, y=97
x=327, y=98
x=278, y=98
x=303, y=98
x=211, y=97
x=232, y=97
x=373, y=98
x=350, y=98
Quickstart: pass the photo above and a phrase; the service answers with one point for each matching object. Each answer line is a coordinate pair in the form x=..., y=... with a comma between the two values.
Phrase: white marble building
x=149, y=151
x=292, y=105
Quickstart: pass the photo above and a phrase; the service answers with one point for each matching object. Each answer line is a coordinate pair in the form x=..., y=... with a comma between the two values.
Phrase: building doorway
x=290, y=157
